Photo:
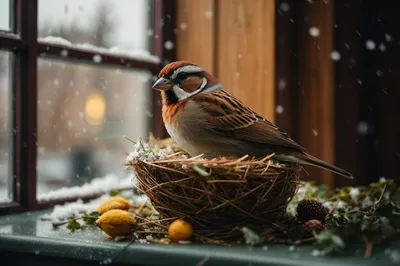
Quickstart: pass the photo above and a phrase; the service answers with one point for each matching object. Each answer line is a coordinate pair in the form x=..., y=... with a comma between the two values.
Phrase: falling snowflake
x=282, y=84
x=284, y=7
x=388, y=37
x=362, y=128
x=279, y=109
x=315, y=132
x=208, y=14
x=335, y=56
x=97, y=58
x=371, y=45
x=379, y=73
x=314, y=31
x=183, y=26
x=382, y=47
x=64, y=52
x=169, y=45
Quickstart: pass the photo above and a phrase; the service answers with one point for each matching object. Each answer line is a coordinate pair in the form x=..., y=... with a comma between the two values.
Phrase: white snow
x=315, y=132
x=335, y=56
x=284, y=7
x=62, y=212
x=183, y=26
x=64, y=52
x=95, y=187
x=382, y=47
x=388, y=37
x=169, y=45
x=314, y=31
x=144, y=152
x=379, y=73
x=97, y=58
x=116, y=51
x=279, y=109
x=371, y=45
x=208, y=14
x=362, y=128
x=354, y=192
x=282, y=84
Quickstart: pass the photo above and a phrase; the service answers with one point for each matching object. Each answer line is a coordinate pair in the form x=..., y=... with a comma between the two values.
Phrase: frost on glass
x=103, y=23
x=5, y=126
x=84, y=112
x=5, y=15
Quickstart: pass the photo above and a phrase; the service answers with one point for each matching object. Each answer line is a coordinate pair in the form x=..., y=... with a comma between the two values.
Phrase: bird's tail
x=307, y=159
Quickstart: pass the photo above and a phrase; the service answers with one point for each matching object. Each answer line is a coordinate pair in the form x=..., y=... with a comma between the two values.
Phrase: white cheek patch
x=213, y=88
x=179, y=93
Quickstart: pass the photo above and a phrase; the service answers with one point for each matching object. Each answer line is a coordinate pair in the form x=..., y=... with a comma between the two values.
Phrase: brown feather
x=239, y=121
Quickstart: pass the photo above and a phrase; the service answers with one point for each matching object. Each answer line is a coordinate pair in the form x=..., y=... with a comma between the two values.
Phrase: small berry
x=311, y=209
x=312, y=226
x=180, y=230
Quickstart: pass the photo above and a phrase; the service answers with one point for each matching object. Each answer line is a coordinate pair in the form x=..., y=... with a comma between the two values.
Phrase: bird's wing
x=230, y=117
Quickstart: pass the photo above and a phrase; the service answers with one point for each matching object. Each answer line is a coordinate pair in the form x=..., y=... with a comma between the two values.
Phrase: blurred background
x=84, y=111
x=325, y=71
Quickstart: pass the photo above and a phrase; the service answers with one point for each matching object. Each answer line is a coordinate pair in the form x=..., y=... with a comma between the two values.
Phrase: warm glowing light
x=95, y=108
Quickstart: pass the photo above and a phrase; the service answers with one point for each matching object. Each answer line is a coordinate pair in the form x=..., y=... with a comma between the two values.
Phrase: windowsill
x=25, y=236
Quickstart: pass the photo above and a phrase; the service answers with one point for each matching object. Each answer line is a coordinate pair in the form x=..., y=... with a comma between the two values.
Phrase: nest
x=215, y=195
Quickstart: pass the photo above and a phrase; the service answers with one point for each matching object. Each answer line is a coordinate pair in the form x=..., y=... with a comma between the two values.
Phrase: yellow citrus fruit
x=114, y=203
x=180, y=230
x=116, y=223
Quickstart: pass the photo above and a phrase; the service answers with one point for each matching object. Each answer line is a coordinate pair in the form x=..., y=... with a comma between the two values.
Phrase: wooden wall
x=234, y=40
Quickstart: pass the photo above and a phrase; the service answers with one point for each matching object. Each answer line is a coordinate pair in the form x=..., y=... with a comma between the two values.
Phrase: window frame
x=26, y=49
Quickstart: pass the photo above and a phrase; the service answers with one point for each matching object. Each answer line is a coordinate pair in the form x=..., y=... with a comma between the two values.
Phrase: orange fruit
x=114, y=203
x=116, y=223
x=180, y=230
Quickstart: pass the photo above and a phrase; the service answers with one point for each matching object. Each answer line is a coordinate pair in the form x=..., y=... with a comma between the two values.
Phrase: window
x=81, y=81
x=5, y=128
x=6, y=15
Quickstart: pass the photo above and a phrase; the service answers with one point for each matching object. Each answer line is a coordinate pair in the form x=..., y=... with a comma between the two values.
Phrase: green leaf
x=200, y=170
x=73, y=225
x=250, y=237
x=114, y=192
x=90, y=218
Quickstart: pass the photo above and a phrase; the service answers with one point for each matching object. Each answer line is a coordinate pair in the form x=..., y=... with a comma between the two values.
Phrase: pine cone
x=311, y=209
x=312, y=226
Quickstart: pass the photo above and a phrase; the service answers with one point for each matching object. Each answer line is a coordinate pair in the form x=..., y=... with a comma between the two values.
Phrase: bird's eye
x=181, y=77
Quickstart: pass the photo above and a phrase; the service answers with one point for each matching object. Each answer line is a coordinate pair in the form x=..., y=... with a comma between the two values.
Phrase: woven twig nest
x=215, y=195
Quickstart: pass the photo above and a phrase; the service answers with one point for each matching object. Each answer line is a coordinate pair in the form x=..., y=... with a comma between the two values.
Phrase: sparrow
x=203, y=118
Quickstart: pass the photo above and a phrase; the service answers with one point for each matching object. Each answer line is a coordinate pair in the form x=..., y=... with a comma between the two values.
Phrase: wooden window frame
x=24, y=45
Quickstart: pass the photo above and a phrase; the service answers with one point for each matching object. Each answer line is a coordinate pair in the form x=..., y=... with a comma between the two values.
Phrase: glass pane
x=84, y=112
x=5, y=126
x=118, y=23
x=6, y=15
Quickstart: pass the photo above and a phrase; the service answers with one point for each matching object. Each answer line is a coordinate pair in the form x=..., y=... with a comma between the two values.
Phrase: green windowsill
x=27, y=235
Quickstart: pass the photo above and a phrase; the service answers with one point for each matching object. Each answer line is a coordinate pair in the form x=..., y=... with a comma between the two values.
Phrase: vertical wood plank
x=286, y=67
x=245, y=52
x=316, y=119
x=347, y=17
x=195, y=32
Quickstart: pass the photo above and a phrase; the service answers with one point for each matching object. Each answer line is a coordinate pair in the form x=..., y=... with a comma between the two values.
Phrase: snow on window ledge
x=115, y=51
x=95, y=187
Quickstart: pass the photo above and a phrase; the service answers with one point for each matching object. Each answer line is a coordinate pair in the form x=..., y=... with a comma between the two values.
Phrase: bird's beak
x=162, y=84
